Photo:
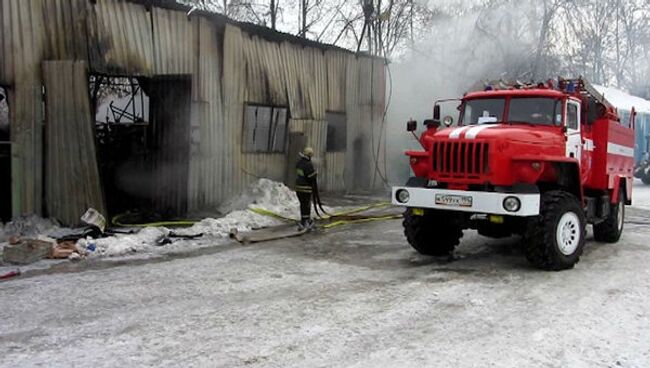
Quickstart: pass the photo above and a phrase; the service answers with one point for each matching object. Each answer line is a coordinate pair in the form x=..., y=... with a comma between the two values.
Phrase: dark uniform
x=304, y=183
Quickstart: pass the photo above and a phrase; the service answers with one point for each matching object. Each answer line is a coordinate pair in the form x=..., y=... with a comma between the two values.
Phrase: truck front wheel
x=432, y=233
x=554, y=240
x=610, y=230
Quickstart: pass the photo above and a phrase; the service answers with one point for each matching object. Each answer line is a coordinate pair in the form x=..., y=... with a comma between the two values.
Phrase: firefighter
x=305, y=180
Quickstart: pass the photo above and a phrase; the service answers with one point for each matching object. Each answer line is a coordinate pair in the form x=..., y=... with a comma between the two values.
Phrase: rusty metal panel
x=120, y=38
x=72, y=176
x=175, y=39
x=65, y=29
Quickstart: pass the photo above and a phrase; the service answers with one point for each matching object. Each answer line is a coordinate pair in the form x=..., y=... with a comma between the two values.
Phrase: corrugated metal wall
x=22, y=37
x=72, y=177
x=228, y=67
x=120, y=38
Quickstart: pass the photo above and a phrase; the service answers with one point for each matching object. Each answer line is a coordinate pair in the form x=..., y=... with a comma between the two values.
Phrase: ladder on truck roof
x=584, y=86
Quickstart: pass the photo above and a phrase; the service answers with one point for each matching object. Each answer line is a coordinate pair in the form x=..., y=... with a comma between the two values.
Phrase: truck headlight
x=511, y=204
x=402, y=196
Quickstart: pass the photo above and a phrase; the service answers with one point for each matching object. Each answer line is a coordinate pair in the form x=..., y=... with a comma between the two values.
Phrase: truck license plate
x=453, y=200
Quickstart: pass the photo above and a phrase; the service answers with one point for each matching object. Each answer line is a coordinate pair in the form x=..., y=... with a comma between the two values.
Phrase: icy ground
x=351, y=297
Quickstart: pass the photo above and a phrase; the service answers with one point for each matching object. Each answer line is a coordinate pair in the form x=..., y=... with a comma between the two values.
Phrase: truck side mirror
x=436, y=112
x=411, y=125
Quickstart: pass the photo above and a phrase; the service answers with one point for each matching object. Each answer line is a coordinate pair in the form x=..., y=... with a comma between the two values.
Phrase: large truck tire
x=555, y=239
x=610, y=230
x=431, y=234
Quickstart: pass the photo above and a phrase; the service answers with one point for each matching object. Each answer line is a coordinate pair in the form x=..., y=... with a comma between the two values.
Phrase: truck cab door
x=574, y=138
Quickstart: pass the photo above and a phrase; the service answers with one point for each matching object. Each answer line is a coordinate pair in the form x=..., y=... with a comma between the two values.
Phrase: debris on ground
x=92, y=217
x=28, y=251
x=246, y=212
x=66, y=250
x=279, y=232
x=10, y=274
x=174, y=236
x=27, y=226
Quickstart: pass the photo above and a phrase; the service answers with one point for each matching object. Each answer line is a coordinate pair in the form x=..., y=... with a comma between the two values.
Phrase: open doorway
x=5, y=157
x=142, y=128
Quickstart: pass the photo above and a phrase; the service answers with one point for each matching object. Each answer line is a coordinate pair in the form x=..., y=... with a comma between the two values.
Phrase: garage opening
x=142, y=130
x=5, y=157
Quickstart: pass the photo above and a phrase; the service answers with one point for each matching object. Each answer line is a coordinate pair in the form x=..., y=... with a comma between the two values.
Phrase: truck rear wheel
x=432, y=233
x=555, y=239
x=610, y=230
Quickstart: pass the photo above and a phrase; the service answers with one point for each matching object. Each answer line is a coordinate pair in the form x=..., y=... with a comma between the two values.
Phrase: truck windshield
x=527, y=110
x=535, y=110
x=482, y=109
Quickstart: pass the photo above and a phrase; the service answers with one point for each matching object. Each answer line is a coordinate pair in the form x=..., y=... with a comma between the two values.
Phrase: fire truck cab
x=542, y=161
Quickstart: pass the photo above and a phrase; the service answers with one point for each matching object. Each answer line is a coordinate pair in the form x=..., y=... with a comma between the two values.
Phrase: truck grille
x=460, y=159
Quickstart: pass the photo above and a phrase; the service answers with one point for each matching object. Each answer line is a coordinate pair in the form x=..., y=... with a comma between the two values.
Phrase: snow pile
x=112, y=246
x=28, y=226
x=266, y=194
x=263, y=194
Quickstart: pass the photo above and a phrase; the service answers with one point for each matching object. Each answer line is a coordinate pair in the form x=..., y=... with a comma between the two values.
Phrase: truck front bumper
x=467, y=201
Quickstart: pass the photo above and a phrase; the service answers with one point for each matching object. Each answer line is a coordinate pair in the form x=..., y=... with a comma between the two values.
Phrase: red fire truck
x=541, y=161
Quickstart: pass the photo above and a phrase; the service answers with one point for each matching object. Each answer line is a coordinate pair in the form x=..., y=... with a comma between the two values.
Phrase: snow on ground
x=641, y=195
x=263, y=194
x=350, y=297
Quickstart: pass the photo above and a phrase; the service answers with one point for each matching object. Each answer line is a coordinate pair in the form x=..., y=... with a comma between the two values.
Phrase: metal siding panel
x=315, y=131
x=234, y=89
x=264, y=165
x=336, y=80
x=210, y=156
x=72, y=177
x=120, y=38
x=65, y=25
x=175, y=42
x=21, y=50
x=334, y=175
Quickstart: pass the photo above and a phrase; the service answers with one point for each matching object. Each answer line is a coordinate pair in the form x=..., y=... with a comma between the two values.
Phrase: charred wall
x=228, y=64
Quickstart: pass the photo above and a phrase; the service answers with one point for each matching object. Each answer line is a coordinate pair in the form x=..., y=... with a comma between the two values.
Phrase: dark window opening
x=265, y=129
x=337, y=132
x=5, y=157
